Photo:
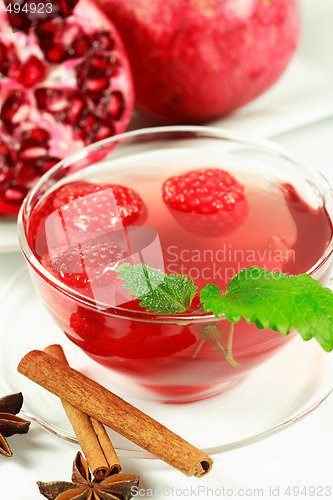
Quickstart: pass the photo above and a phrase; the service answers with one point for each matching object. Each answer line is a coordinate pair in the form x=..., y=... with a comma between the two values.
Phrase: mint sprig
x=275, y=301
x=158, y=292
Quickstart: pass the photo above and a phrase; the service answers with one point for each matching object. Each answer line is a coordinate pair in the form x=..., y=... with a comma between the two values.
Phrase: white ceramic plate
x=8, y=235
x=276, y=395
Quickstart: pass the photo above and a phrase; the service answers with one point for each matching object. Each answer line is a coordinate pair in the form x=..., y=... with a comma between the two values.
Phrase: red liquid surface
x=281, y=232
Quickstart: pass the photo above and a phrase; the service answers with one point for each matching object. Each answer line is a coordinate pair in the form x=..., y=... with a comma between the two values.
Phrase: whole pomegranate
x=196, y=60
x=63, y=85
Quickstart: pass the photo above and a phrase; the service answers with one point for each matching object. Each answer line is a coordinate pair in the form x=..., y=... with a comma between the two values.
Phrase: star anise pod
x=9, y=423
x=114, y=487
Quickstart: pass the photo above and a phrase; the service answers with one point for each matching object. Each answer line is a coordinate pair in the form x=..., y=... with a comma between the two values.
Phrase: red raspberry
x=84, y=267
x=129, y=204
x=86, y=210
x=208, y=201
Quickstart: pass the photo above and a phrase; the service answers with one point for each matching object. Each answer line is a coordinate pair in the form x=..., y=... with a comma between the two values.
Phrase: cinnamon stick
x=112, y=411
x=92, y=436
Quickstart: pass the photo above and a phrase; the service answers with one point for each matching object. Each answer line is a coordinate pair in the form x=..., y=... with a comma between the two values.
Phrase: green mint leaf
x=158, y=292
x=276, y=301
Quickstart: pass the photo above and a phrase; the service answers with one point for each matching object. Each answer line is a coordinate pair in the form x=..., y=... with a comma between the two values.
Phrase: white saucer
x=8, y=235
x=281, y=392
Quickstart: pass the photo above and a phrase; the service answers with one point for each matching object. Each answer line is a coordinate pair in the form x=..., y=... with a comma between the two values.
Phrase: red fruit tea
x=191, y=356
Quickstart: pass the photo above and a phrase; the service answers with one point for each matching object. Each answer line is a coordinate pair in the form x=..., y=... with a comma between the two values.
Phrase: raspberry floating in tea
x=208, y=201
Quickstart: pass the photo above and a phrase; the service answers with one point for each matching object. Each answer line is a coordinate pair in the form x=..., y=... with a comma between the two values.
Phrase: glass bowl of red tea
x=194, y=201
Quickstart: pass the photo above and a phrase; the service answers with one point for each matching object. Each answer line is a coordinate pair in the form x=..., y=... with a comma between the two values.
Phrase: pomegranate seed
x=34, y=137
x=97, y=84
x=33, y=71
x=65, y=104
x=41, y=97
x=103, y=40
x=52, y=100
x=114, y=105
x=48, y=29
x=14, y=109
x=105, y=130
x=9, y=62
x=13, y=193
x=100, y=62
x=75, y=110
x=68, y=36
x=89, y=125
x=72, y=43
x=90, y=120
x=80, y=46
x=34, y=152
x=94, y=67
x=56, y=53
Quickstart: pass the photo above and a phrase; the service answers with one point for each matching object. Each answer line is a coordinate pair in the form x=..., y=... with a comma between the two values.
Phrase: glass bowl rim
x=207, y=132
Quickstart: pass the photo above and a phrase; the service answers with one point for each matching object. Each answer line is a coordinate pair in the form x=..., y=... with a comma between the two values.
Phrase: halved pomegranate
x=63, y=85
